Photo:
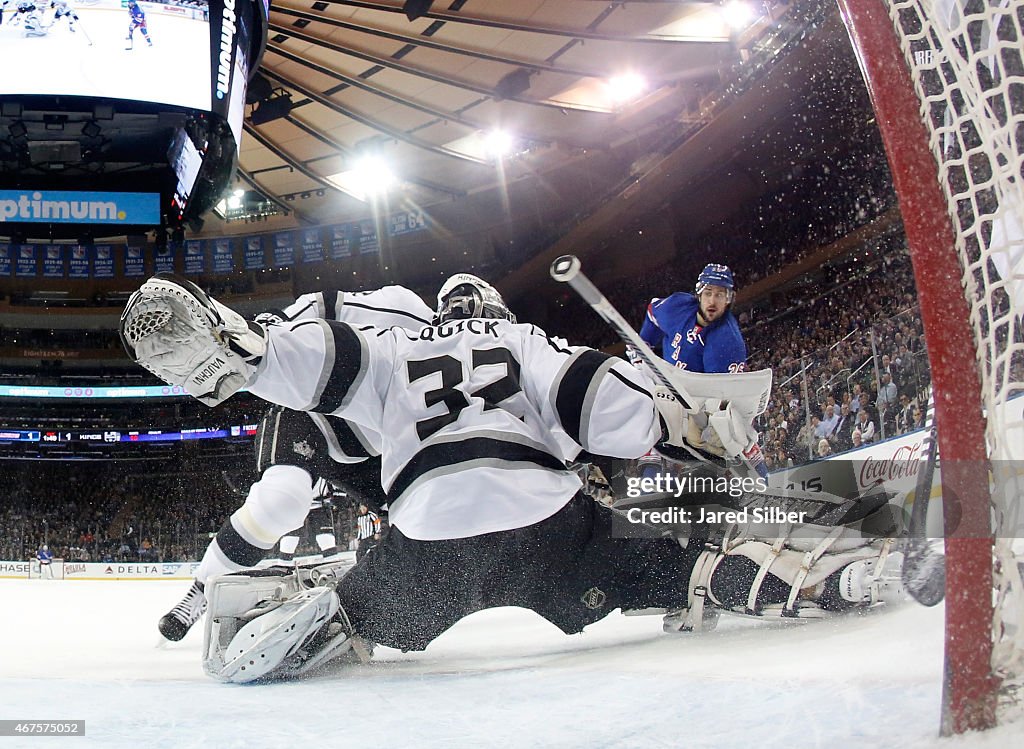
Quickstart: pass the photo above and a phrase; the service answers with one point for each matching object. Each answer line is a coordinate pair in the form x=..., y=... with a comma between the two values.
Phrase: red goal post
x=947, y=84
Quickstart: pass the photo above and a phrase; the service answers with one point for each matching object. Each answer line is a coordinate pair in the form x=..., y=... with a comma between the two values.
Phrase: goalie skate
x=176, y=623
x=276, y=623
x=173, y=329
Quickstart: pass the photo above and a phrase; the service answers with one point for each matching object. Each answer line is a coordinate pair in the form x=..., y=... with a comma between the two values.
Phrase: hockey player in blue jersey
x=138, y=21
x=45, y=558
x=698, y=332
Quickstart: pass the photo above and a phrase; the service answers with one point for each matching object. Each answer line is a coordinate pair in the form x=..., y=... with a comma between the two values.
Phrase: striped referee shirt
x=368, y=524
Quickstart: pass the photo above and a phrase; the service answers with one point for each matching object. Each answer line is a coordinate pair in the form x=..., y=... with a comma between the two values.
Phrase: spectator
x=917, y=416
x=841, y=437
x=829, y=422
x=904, y=417
x=807, y=436
x=857, y=399
x=865, y=426
x=887, y=399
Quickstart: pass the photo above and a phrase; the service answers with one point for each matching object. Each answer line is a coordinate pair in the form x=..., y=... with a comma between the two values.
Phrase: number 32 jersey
x=477, y=417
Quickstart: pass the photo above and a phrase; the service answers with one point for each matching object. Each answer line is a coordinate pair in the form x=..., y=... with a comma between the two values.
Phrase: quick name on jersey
x=477, y=326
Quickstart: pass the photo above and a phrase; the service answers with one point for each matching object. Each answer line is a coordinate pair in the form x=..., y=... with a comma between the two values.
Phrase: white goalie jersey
x=387, y=307
x=478, y=417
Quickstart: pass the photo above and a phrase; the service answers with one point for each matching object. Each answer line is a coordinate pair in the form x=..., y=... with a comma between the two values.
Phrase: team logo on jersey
x=303, y=448
x=693, y=334
x=594, y=598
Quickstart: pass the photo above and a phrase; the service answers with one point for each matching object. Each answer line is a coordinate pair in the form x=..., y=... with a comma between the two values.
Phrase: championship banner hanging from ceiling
x=134, y=262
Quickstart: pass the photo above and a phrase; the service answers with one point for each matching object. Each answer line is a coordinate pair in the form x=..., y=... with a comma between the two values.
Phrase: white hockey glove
x=175, y=330
x=684, y=428
x=735, y=434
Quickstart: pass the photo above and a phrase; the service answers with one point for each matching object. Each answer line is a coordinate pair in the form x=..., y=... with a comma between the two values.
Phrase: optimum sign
x=54, y=207
x=227, y=39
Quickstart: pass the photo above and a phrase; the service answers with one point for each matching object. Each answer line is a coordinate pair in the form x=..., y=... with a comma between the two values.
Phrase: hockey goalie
x=478, y=418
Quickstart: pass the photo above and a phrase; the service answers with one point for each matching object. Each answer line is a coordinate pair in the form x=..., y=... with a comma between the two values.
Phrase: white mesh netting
x=966, y=58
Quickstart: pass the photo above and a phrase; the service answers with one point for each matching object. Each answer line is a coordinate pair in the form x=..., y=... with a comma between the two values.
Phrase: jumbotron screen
x=159, y=52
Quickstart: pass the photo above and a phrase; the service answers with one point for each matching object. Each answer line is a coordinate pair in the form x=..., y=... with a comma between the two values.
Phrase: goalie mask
x=464, y=297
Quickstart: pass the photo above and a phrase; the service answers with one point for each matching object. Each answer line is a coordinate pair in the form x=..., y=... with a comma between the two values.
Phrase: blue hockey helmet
x=716, y=274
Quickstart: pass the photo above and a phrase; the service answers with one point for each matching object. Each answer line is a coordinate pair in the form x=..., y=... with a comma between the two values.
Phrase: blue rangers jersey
x=671, y=324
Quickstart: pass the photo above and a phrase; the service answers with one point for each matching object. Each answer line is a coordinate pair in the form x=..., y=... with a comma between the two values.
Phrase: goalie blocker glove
x=682, y=429
x=172, y=328
x=738, y=438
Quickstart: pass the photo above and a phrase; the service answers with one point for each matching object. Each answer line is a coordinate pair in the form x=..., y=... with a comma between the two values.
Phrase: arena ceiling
x=724, y=110
x=343, y=80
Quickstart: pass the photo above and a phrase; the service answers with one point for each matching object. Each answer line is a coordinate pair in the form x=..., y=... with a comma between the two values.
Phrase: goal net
x=965, y=60
x=52, y=571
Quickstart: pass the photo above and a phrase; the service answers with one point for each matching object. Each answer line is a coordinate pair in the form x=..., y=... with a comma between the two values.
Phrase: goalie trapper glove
x=172, y=328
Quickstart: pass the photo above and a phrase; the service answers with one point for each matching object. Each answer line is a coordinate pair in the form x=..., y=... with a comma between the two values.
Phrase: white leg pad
x=276, y=504
x=270, y=640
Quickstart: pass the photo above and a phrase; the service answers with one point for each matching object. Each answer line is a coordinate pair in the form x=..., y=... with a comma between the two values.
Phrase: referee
x=367, y=531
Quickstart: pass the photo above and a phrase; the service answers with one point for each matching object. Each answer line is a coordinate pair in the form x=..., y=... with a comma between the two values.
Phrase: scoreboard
x=112, y=436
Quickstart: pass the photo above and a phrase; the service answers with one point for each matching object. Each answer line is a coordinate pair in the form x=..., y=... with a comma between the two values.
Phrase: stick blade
x=924, y=573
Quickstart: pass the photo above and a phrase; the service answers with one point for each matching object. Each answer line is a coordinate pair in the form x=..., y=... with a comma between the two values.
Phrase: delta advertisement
x=61, y=569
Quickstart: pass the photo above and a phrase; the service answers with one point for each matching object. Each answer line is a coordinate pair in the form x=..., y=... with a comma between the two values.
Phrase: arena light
x=738, y=14
x=375, y=174
x=369, y=177
x=626, y=87
x=498, y=143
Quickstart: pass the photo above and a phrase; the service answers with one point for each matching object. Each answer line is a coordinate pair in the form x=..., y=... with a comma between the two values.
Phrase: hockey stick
x=567, y=269
x=84, y=32
x=924, y=569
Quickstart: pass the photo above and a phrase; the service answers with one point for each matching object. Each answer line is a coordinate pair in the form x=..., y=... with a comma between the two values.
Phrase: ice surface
x=505, y=678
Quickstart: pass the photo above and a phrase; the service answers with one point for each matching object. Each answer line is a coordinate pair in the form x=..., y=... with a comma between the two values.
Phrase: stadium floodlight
x=369, y=177
x=376, y=176
x=498, y=143
x=626, y=87
x=738, y=14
